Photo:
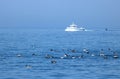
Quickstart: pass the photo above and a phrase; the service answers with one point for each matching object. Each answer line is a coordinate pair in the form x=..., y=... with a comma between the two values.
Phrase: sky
x=59, y=13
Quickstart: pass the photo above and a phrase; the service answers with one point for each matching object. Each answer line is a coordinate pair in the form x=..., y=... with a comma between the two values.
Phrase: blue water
x=23, y=54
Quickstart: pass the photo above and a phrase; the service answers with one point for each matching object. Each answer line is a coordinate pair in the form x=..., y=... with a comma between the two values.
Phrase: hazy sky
x=59, y=13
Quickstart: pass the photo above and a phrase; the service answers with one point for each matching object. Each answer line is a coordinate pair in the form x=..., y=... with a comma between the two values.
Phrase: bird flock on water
x=75, y=54
x=85, y=52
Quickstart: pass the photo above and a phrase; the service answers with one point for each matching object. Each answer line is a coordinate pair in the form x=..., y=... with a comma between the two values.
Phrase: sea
x=56, y=54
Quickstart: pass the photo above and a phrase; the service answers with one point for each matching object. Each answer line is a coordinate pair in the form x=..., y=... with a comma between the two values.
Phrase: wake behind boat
x=73, y=27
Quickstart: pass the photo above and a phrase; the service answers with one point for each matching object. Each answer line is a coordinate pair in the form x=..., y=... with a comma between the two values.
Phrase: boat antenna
x=73, y=22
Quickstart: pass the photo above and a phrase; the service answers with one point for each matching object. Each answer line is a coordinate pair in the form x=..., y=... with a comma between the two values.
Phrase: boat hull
x=75, y=30
x=71, y=30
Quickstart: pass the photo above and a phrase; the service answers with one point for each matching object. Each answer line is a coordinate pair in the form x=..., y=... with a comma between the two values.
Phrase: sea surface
x=56, y=54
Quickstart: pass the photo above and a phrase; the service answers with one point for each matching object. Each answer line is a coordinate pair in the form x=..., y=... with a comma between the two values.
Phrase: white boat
x=73, y=27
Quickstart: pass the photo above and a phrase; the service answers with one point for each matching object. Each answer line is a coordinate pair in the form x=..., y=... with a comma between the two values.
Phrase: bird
x=48, y=56
x=28, y=66
x=53, y=61
x=115, y=55
x=19, y=55
x=85, y=51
